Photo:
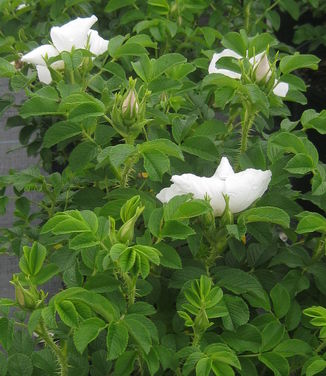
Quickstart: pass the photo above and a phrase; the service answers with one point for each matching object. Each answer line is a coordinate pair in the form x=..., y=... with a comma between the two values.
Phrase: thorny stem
x=247, y=16
x=248, y=120
x=127, y=170
x=131, y=288
x=62, y=360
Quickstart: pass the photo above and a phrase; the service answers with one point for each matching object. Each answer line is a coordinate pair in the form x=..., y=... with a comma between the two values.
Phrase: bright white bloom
x=261, y=67
x=242, y=188
x=74, y=34
x=21, y=6
x=226, y=72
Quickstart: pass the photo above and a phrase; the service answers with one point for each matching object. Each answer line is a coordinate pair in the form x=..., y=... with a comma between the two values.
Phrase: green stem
x=321, y=346
x=248, y=120
x=62, y=360
x=247, y=16
x=127, y=170
x=131, y=288
x=266, y=11
x=319, y=250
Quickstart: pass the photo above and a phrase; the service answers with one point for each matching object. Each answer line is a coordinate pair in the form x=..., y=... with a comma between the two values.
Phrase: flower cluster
x=261, y=68
x=242, y=188
x=74, y=34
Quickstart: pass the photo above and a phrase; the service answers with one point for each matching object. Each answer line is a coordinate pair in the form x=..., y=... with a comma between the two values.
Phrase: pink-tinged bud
x=130, y=105
x=263, y=70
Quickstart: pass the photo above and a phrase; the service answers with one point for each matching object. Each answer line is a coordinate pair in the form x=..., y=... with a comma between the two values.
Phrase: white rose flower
x=242, y=188
x=74, y=34
x=261, y=67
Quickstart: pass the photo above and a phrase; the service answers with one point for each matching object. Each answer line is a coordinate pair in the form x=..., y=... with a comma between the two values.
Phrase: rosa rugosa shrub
x=221, y=272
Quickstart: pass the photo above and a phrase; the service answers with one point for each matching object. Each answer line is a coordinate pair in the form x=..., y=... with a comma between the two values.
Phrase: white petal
x=37, y=55
x=72, y=34
x=44, y=74
x=245, y=187
x=226, y=72
x=200, y=187
x=166, y=194
x=97, y=44
x=21, y=6
x=263, y=69
x=256, y=59
x=58, y=65
x=281, y=89
x=224, y=169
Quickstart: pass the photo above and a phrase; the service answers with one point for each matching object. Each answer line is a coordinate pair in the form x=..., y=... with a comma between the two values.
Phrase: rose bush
x=219, y=275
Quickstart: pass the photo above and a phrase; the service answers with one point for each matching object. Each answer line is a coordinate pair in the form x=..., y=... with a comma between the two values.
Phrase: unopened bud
x=26, y=298
x=130, y=105
x=227, y=216
x=263, y=70
x=128, y=210
x=126, y=231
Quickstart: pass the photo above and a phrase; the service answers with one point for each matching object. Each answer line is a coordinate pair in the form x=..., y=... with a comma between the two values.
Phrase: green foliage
x=173, y=288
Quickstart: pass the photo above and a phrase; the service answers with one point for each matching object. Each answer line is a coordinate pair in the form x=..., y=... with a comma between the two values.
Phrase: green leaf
x=116, y=340
x=223, y=354
x=162, y=145
x=300, y=164
x=115, y=155
x=318, y=315
x=286, y=142
x=267, y=214
x=260, y=42
x=114, y=5
x=246, y=338
x=238, y=312
x=101, y=282
x=169, y=256
x=86, y=110
x=129, y=49
x=38, y=106
x=45, y=274
x=156, y=164
x=143, y=68
x=203, y=367
x=20, y=365
x=6, y=69
x=190, y=209
x=60, y=131
x=298, y=61
x=276, y=363
x=6, y=332
x=292, y=347
x=82, y=154
x=125, y=363
x=201, y=146
x=176, y=230
x=281, y=300
x=315, y=367
x=236, y=42
x=317, y=122
x=67, y=313
x=115, y=69
x=87, y=332
x=272, y=335
x=148, y=252
x=139, y=332
x=166, y=62
x=127, y=259
x=310, y=222
x=3, y=365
